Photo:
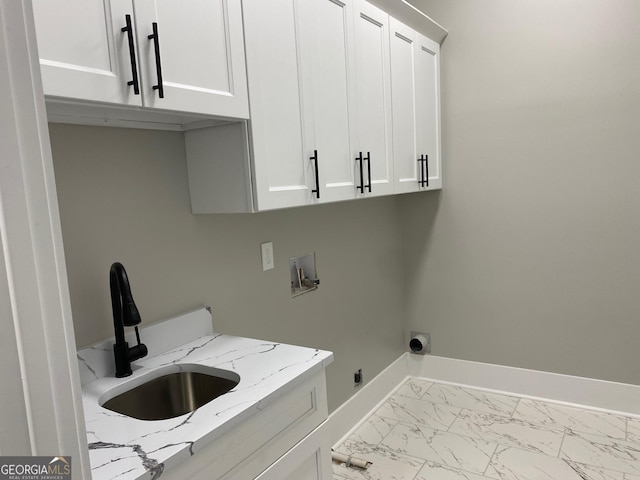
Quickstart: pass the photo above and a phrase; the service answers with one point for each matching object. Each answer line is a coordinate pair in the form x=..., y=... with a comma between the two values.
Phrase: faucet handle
x=131, y=315
x=137, y=352
x=125, y=355
x=140, y=350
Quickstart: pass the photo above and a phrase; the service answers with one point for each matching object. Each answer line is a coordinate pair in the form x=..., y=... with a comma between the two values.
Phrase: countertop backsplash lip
x=126, y=448
x=96, y=361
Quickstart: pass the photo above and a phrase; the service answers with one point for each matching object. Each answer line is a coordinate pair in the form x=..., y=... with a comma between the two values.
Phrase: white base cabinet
x=308, y=460
x=279, y=442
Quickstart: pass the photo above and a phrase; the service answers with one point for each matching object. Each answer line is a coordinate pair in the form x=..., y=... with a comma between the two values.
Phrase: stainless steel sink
x=163, y=395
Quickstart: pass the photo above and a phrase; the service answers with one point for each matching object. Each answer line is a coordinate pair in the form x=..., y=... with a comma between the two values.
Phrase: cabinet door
x=201, y=54
x=403, y=71
x=327, y=67
x=282, y=171
x=428, y=109
x=416, y=114
x=83, y=52
x=305, y=470
x=374, y=99
x=309, y=459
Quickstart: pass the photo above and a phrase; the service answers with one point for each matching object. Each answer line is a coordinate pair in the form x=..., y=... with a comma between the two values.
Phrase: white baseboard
x=579, y=391
x=351, y=413
x=593, y=393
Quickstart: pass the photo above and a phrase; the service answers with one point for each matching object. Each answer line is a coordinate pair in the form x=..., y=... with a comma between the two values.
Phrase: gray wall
x=530, y=256
x=123, y=196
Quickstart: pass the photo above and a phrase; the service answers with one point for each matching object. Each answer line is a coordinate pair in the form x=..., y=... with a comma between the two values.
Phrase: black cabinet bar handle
x=368, y=159
x=132, y=55
x=315, y=159
x=423, y=161
x=426, y=174
x=361, y=187
x=156, y=44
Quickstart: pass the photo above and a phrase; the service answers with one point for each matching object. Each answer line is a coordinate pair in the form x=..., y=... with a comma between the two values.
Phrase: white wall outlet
x=267, y=255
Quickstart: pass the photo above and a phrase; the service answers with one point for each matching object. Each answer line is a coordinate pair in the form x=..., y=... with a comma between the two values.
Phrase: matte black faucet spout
x=125, y=314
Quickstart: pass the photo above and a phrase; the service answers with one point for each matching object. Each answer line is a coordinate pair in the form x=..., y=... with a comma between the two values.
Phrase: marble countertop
x=126, y=448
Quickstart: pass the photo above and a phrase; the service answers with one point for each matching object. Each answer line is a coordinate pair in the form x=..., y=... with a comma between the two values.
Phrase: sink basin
x=169, y=392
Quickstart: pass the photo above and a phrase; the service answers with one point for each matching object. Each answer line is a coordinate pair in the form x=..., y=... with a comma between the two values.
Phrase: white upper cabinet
x=428, y=111
x=327, y=71
x=201, y=55
x=301, y=77
x=83, y=52
x=101, y=52
x=374, y=173
x=416, y=110
x=343, y=103
x=283, y=173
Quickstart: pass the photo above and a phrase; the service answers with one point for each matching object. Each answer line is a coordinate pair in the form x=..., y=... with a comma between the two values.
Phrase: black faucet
x=125, y=314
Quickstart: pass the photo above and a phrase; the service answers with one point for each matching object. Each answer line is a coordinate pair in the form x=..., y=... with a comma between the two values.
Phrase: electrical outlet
x=357, y=377
x=267, y=255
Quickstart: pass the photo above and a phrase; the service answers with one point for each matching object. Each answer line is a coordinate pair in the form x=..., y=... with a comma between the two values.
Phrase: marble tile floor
x=433, y=431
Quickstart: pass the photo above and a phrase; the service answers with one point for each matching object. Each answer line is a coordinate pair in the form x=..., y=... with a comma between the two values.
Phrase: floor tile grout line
x=516, y=407
x=626, y=428
x=493, y=454
x=564, y=435
x=424, y=462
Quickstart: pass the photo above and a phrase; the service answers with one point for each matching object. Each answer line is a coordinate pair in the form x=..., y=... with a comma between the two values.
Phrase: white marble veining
x=576, y=419
x=492, y=437
x=410, y=410
x=517, y=464
x=444, y=448
x=633, y=430
x=508, y=431
x=373, y=430
x=414, y=389
x=603, y=452
x=126, y=448
x=477, y=400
